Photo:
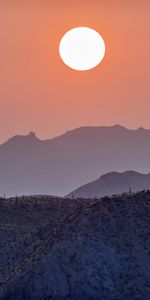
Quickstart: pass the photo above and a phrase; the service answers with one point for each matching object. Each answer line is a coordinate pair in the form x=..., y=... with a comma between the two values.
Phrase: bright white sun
x=82, y=48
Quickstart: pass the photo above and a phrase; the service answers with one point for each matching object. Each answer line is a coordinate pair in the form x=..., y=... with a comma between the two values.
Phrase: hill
x=55, y=248
x=60, y=165
x=113, y=183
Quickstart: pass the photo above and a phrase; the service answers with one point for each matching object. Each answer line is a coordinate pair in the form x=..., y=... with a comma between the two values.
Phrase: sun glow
x=82, y=48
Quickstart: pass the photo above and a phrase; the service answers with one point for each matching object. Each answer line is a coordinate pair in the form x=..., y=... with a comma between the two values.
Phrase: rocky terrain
x=53, y=248
x=113, y=183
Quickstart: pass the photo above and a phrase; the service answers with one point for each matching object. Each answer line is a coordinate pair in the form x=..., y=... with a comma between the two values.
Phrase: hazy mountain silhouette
x=60, y=165
x=113, y=183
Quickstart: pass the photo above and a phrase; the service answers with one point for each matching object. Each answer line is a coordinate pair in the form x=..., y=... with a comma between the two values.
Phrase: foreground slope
x=67, y=249
x=60, y=165
x=113, y=183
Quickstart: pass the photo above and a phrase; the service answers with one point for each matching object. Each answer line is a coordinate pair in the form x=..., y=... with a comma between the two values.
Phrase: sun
x=82, y=48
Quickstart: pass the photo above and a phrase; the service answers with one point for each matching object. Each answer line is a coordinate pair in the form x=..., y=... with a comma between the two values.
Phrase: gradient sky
x=39, y=93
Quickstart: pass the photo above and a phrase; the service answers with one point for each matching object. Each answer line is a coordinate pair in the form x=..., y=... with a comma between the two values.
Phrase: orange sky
x=39, y=93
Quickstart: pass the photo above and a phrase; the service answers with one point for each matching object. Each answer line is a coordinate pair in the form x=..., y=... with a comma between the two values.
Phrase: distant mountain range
x=113, y=183
x=58, y=166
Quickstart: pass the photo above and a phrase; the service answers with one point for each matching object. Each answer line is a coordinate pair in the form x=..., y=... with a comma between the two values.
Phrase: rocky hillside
x=113, y=183
x=53, y=248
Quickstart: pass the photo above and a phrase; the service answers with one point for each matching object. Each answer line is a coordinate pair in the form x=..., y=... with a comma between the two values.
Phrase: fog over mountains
x=58, y=166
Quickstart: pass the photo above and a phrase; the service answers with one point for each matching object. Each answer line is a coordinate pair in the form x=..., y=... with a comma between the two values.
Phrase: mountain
x=61, y=249
x=58, y=166
x=113, y=183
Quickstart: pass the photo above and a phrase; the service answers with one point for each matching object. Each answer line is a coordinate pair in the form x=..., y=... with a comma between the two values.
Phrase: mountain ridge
x=113, y=183
x=60, y=249
x=76, y=130
x=59, y=165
